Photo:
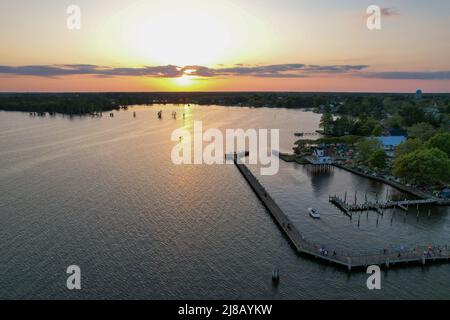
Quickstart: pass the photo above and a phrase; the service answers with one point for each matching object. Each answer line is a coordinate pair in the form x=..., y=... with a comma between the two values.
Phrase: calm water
x=103, y=194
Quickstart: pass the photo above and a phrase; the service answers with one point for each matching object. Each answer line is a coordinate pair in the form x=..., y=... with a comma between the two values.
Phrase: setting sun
x=184, y=80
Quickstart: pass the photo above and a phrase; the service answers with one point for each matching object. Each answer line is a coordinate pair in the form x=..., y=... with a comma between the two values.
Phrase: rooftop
x=391, y=140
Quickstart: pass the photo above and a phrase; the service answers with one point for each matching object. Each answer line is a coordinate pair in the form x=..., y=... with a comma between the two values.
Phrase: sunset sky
x=224, y=45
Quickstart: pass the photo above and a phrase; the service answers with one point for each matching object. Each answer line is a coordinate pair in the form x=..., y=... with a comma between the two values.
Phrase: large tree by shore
x=423, y=167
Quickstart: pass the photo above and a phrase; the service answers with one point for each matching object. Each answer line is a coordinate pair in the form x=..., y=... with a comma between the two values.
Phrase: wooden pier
x=350, y=261
x=303, y=134
x=377, y=206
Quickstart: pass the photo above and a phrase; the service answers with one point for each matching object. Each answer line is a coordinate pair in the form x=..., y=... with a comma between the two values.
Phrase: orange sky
x=243, y=45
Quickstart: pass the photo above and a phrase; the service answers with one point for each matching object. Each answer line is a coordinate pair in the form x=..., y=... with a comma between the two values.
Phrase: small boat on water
x=314, y=213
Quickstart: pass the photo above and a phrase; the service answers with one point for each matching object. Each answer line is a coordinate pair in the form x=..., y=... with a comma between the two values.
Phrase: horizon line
x=225, y=91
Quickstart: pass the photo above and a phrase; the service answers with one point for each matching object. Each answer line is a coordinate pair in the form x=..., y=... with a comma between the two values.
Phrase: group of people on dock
x=174, y=115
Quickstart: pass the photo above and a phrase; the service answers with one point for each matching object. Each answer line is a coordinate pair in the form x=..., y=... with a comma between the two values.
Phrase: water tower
x=419, y=94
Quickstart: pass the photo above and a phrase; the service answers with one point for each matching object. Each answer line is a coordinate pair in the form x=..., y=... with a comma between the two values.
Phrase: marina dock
x=377, y=206
x=387, y=258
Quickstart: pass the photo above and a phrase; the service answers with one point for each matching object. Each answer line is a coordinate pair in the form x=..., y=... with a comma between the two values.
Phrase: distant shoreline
x=92, y=102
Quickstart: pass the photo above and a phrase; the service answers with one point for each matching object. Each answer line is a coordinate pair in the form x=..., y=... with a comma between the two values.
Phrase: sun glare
x=184, y=80
x=178, y=33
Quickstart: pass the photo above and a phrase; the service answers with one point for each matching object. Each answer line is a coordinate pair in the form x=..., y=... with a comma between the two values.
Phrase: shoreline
x=396, y=185
x=290, y=158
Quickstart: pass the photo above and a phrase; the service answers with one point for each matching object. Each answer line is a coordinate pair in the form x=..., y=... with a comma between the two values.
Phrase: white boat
x=314, y=213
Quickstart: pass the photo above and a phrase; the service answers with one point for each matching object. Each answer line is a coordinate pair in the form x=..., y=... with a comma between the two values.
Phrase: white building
x=320, y=157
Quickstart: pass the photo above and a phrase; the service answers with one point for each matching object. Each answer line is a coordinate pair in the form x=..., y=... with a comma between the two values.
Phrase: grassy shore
x=292, y=158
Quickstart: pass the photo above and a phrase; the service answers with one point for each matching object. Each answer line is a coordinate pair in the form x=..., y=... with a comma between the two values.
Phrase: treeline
x=417, y=161
x=366, y=116
x=376, y=106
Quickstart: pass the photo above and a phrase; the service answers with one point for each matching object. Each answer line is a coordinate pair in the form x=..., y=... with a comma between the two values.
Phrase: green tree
x=377, y=131
x=422, y=130
x=411, y=113
x=365, y=126
x=367, y=147
x=378, y=160
x=326, y=122
x=441, y=141
x=343, y=126
x=423, y=167
x=408, y=146
x=395, y=121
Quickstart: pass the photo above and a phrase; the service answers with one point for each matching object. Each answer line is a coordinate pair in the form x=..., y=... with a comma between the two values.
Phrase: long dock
x=350, y=261
x=377, y=206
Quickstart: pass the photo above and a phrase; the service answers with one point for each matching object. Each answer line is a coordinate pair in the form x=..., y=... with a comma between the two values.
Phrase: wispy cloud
x=171, y=71
x=402, y=75
x=389, y=12
x=263, y=71
x=87, y=69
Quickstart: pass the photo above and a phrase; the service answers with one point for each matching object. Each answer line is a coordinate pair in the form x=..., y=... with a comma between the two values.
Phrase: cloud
x=296, y=70
x=273, y=71
x=87, y=69
x=404, y=75
x=171, y=71
x=389, y=12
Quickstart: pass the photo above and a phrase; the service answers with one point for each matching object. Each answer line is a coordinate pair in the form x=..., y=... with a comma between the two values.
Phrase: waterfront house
x=322, y=156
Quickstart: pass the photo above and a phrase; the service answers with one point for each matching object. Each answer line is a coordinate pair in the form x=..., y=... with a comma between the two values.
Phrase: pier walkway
x=377, y=206
x=383, y=258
